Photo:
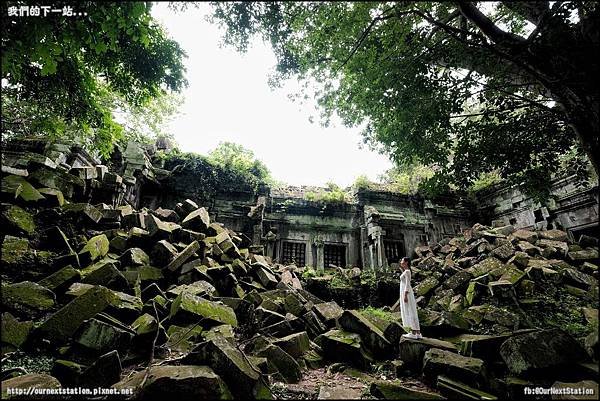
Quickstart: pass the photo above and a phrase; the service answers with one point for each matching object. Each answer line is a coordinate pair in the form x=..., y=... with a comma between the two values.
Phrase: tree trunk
x=585, y=122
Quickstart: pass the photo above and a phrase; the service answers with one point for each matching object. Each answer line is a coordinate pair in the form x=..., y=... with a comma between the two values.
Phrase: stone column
x=320, y=257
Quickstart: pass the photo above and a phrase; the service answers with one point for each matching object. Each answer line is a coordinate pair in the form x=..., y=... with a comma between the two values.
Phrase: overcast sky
x=228, y=99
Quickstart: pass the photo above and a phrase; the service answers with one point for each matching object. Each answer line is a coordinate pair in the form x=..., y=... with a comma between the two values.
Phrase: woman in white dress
x=408, y=305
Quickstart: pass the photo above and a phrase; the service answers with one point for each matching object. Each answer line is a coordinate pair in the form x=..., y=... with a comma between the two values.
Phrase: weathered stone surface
x=485, y=266
x=266, y=277
x=553, y=235
x=232, y=365
x=18, y=187
x=338, y=392
x=295, y=344
x=588, y=254
x=67, y=320
x=183, y=256
x=454, y=389
x=104, y=372
x=589, y=388
x=26, y=383
x=412, y=351
x=184, y=382
x=163, y=253
x=18, y=219
x=188, y=307
x=396, y=390
x=61, y=280
x=27, y=297
x=13, y=331
x=425, y=286
x=371, y=336
x=329, y=312
x=282, y=361
x=84, y=209
x=526, y=235
x=134, y=256
x=101, y=336
x=95, y=248
x=15, y=250
x=197, y=220
x=458, y=280
x=342, y=346
x=540, y=350
x=440, y=362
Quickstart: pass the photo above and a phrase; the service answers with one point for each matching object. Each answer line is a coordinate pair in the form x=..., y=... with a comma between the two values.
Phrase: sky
x=229, y=99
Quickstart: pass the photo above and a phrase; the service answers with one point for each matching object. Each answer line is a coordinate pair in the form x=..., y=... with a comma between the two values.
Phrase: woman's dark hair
x=406, y=259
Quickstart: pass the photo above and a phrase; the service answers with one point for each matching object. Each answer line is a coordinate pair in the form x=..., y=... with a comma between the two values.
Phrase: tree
x=465, y=88
x=232, y=156
x=66, y=71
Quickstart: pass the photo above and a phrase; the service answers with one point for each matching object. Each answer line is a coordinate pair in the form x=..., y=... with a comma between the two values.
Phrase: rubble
x=190, y=308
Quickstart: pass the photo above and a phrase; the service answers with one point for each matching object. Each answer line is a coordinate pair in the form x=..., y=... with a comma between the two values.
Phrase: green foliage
x=62, y=74
x=407, y=180
x=378, y=313
x=229, y=167
x=434, y=83
x=235, y=157
x=486, y=180
x=309, y=272
x=333, y=193
x=362, y=182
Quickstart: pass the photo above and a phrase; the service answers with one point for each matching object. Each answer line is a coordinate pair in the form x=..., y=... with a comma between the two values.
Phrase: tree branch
x=487, y=26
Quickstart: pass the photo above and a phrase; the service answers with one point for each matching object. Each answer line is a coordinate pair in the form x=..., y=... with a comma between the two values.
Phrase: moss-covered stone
x=15, y=250
x=190, y=307
x=14, y=332
x=282, y=361
x=101, y=336
x=19, y=187
x=18, y=219
x=396, y=390
x=27, y=297
x=411, y=351
x=370, y=334
x=231, y=364
x=440, y=362
x=54, y=197
x=63, y=324
x=26, y=383
x=61, y=280
x=342, y=346
x=541, y=350
x=294, y=344
x=182, y=338
x=177, y=382
x=95, y=248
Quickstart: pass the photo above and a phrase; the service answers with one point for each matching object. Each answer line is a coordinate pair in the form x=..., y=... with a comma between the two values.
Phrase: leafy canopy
x=235, y=157
x=464, y=88
x=60, y=75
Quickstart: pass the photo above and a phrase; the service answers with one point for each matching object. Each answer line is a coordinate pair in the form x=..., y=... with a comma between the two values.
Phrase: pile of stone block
x=169, y=303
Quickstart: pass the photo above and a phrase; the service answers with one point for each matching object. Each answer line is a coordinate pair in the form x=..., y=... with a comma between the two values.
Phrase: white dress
x=408, y=310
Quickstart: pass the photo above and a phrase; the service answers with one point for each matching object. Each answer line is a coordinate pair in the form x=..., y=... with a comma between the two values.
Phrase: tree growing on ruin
x=61, y=74
x=467, y=88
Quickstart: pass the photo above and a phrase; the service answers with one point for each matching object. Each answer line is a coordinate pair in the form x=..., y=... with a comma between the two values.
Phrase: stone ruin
x=111, y=279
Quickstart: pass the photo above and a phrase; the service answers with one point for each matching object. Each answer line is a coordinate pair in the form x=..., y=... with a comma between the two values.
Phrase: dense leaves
x=463, y=88
x=70, y=67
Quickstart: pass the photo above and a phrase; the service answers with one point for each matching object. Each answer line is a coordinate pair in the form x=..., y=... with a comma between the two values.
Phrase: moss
x=379, y=313
x=27, y=296
x=14, y=249
x=13, y=331
x=18, y=186
x=203, y=308
x=96, y=247
x=20, y=219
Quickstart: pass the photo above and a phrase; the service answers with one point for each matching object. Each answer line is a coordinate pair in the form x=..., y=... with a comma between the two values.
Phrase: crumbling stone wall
x=571, y=207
